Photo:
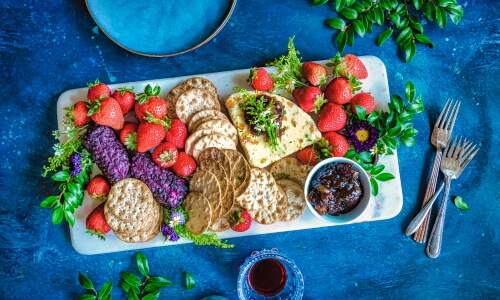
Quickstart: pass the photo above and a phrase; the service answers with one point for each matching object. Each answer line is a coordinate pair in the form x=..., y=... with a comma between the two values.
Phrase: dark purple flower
x=169, y=233
x=75, y=164
x=362, y=135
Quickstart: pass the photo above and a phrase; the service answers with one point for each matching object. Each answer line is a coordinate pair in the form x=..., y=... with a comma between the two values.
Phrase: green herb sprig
x=103, y=294
x=147, y=288
x=399, y=17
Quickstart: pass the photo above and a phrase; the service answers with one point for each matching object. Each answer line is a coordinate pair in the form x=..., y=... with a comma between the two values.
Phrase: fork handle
x=421, y=233
x=419, y=218
x=433, y=248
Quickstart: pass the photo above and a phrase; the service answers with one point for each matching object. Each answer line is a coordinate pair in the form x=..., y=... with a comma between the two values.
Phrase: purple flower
x=176, y=218
x=362, y=135
x=169, y=233
x=75, y=164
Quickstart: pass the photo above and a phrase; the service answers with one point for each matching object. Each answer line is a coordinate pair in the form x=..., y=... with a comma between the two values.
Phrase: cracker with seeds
x=211, y=140
x=204, y=114
x=195, y=136
x=130, y=199
x=240, y=171
x=296, y=201
x=144, y=235
x=223, y=126
x=290, y=168
x=195, y=100
x=198, y=208
x=206, y=183
x=219, y=156
x=261, y=191
x=194, y=82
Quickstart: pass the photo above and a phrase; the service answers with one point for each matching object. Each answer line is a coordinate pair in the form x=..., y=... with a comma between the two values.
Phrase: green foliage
x=401, y=18
x=202, y=239
x=189, y=281
x=103, y=294
x=460, y=203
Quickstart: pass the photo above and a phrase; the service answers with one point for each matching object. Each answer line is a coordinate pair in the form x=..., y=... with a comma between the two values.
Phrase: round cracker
x=195, y=136
x=217, y=169
x=220, y=225
x=197, y=207
x=295, y=197
x=194, y=82
x=120, y=225
x=227, y=202
x=145, y=235
x=196, y=124
x=223, y=126
x=260, y=193
x=240, y=171
x=206, y=183
x=204, y=114
x=212, y=140
x=219, y=156
x=290, y=168
x=130, y=199
x=194, y=100
x=202, y=83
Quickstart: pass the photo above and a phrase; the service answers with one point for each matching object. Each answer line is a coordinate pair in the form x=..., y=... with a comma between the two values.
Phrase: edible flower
x=176, y=218
x=362, y=135
x=75, y=164
x=169, y=233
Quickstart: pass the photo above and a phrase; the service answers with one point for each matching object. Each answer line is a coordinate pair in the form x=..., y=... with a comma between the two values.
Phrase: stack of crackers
x=132, y=212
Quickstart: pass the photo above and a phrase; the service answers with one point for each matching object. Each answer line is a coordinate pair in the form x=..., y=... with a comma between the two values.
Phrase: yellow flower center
x=362, y=135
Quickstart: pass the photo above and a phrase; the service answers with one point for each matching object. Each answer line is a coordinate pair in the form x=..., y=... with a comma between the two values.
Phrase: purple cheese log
x=167, y=187
x=107, y=152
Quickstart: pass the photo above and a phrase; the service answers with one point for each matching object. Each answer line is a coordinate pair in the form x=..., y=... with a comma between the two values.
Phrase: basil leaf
x=142, y=264
x=61, y=176
x=336, y=23
x=85, y=282
x=385, y=177
x=374, y=185
x=460, y=203
x=105, y=291
x=49, y=201
x=131, y=279
x=189, y=281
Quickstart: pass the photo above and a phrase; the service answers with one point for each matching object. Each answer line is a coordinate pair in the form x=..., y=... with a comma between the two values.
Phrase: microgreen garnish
x=103, y=294
x=460, y=203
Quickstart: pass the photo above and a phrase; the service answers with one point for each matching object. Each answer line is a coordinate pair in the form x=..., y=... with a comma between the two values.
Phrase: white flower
x=174, y=221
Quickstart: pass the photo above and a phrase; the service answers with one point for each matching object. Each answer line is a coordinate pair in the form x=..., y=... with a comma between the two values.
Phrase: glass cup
x=268, y=274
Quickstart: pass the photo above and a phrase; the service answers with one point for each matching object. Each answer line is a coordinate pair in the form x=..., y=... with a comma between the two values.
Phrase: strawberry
x=126, y=98
x=165, y=155
x=107, y=112
x=332, y=117
x=185, y=165
x=337, y=143
x=97, y=91
x=314, y=73
x=98, y=188
x=308, y=156
x=96, y=222
x=340, y=90
x=309, y=98
x=78, y=113
x=260, y=80
x=240, y=221
x=149, y=135
x=177, y=134
x=349, y=65
x=365, y=100
x=149, y=101
x=128, y=135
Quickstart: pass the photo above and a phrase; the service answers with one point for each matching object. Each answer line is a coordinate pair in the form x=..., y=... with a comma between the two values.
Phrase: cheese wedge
x=300, y=131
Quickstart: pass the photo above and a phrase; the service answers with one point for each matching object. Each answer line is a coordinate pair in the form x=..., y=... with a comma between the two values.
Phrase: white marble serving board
x=387, y=204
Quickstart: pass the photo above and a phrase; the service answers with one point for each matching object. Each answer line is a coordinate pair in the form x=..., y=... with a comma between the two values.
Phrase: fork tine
x=453, y=116
x=450, y=149
x=464, y=163
x=442, y=115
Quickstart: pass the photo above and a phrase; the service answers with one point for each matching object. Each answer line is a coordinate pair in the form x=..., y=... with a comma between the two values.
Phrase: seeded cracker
x=296, y=202
x=195, y=136
x=240, y=171
x=198, y=209
x=194, y=82
x=195, y=100
x=216, y=169
x=195, y=125
x=290, y=168
x=223, y=126
x=212, y=140
x=204, y=114
x=261, y=191
x=144, y=235
x=130, y=200
x=219, y=156
x=206, y=183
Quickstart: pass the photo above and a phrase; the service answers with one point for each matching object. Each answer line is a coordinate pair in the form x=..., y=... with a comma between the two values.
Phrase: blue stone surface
x=48, y=47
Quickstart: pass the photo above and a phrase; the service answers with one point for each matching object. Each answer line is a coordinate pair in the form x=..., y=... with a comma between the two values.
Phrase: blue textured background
x=47, y=47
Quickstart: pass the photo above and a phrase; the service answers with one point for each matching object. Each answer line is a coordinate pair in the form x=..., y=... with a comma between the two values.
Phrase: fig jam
x=275, y=112
x=267, y=277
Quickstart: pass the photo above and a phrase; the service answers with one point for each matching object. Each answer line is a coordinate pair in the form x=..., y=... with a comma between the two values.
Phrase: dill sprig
x=202, y=239
x=289, y=67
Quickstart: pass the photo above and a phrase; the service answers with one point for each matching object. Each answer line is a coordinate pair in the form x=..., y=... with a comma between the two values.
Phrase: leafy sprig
x=460, y=203
x=103, y=294
x=147, y=288
x=401, y=18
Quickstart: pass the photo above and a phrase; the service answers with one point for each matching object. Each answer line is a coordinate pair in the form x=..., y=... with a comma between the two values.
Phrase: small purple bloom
x=169, y=233
x=177, y=218
x=75, y=164
x=362, y=135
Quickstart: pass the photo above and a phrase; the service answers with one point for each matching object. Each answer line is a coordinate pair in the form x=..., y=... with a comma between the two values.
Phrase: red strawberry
x=165, y=155
x=338, y=143
x=260, y=79
x=98, y=188
x=308, y=156
x=126, y=98
x=185, y=165
x=339, y=91
x=78, y=113
x=365, y=100
x=332, y=117
x=128, y=135
x=96, y=222
x=177, y=134
x=309, y=98
x=349, y=65
x=149, y=135
x=240, y=221
x=97, y=91
x=314, y=73
x=149, y=101
x=107, y=112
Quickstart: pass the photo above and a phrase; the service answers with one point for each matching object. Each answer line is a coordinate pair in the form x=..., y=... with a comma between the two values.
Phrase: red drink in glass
x=267, y=277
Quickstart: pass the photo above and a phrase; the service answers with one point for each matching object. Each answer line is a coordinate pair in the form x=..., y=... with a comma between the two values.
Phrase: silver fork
x=457, y=157
x=419, y=218
x=440, y=137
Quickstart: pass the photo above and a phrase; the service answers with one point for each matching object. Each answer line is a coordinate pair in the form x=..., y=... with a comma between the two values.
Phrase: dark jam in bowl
x=335, y=189
x=267, y=277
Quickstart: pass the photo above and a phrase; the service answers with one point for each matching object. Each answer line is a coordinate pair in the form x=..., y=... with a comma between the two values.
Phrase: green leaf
x=384, y=35
x=85, y=282
x=70, y=199
x=125, y=286
x=57, y=215
x=417, y=26
x=87, y=297
x=410, y=51
x=398, y=102
x=70, y=217
x=152, y=296
x=336, y=23
x=424, y=39
x=349, y=13
x=339, y=5
x=358, y=7
x=410, y=132
x=189, y=280
x=445, y=3
x=349, y=2
x=395, y=131
x=456, y=12
x=385, y=177
x=350, y=36
x=391, y=142
x=418, y=4
x=385, y=4
x=441, y=17
x=404, y=35
x=405, y=116
x=142, y=264
x=159, y=280
x=460, y=203
x=410, y=91
x=428, y=10
x=49, y=201
x=394, y=16
x=408, y=141
x=366, y=3
x=153, y=287
x=105, y=291
x=374, y=185
x=341, y=41
x=132, y=296
x=61, y=176
x=372, y=117
x=319, y=2
x=365, y=156
x=377, y=170
x=131, y=279
x=379, y=16
x=360, y=111
x=359, y=27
